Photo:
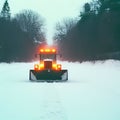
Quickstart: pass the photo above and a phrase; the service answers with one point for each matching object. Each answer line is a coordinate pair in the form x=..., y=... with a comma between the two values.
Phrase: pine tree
x=5, y=13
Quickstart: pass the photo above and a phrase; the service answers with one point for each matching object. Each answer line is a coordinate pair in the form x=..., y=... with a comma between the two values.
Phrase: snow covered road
x=91, y=93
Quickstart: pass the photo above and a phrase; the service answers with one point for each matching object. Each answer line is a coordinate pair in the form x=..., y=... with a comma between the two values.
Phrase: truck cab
x=48, y=69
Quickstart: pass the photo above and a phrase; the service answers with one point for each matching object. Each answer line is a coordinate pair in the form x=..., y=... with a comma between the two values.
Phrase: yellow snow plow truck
x=47, y=69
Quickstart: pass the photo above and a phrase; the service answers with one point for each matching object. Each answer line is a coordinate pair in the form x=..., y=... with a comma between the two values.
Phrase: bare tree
x=31, y=23
x=63, y=28
x=32, y=34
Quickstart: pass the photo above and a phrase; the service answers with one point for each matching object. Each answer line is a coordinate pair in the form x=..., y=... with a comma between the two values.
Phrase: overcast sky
x=52, y=10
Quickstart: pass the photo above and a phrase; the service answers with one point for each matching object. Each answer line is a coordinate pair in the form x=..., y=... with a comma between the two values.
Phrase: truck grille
x=48, y=64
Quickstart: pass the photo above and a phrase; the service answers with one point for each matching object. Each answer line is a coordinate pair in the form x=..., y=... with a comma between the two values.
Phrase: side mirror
x=60, y=55
x=35, y=55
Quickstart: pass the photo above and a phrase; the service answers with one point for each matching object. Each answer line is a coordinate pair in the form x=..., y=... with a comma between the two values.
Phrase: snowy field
x=91, y=93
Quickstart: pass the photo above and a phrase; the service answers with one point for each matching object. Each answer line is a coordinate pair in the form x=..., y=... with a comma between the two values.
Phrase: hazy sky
x=52, y=10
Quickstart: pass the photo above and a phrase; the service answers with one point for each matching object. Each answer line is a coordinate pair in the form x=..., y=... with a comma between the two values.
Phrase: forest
x=20, y=35
x=95, y=36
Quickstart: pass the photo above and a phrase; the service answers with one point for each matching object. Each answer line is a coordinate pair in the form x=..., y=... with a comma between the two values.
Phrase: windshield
x=48, y=56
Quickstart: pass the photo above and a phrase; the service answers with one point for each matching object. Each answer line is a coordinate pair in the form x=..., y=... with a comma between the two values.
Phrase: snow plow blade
x=48, y=75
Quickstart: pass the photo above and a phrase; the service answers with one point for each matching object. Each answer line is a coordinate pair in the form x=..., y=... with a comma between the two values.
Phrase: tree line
x=94, y=36
x=20, y=35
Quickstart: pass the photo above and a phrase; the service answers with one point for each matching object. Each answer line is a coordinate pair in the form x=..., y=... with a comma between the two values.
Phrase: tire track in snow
x=52, y=106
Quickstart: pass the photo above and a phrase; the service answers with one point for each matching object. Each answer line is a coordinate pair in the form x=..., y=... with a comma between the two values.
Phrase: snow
x=91, y=93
